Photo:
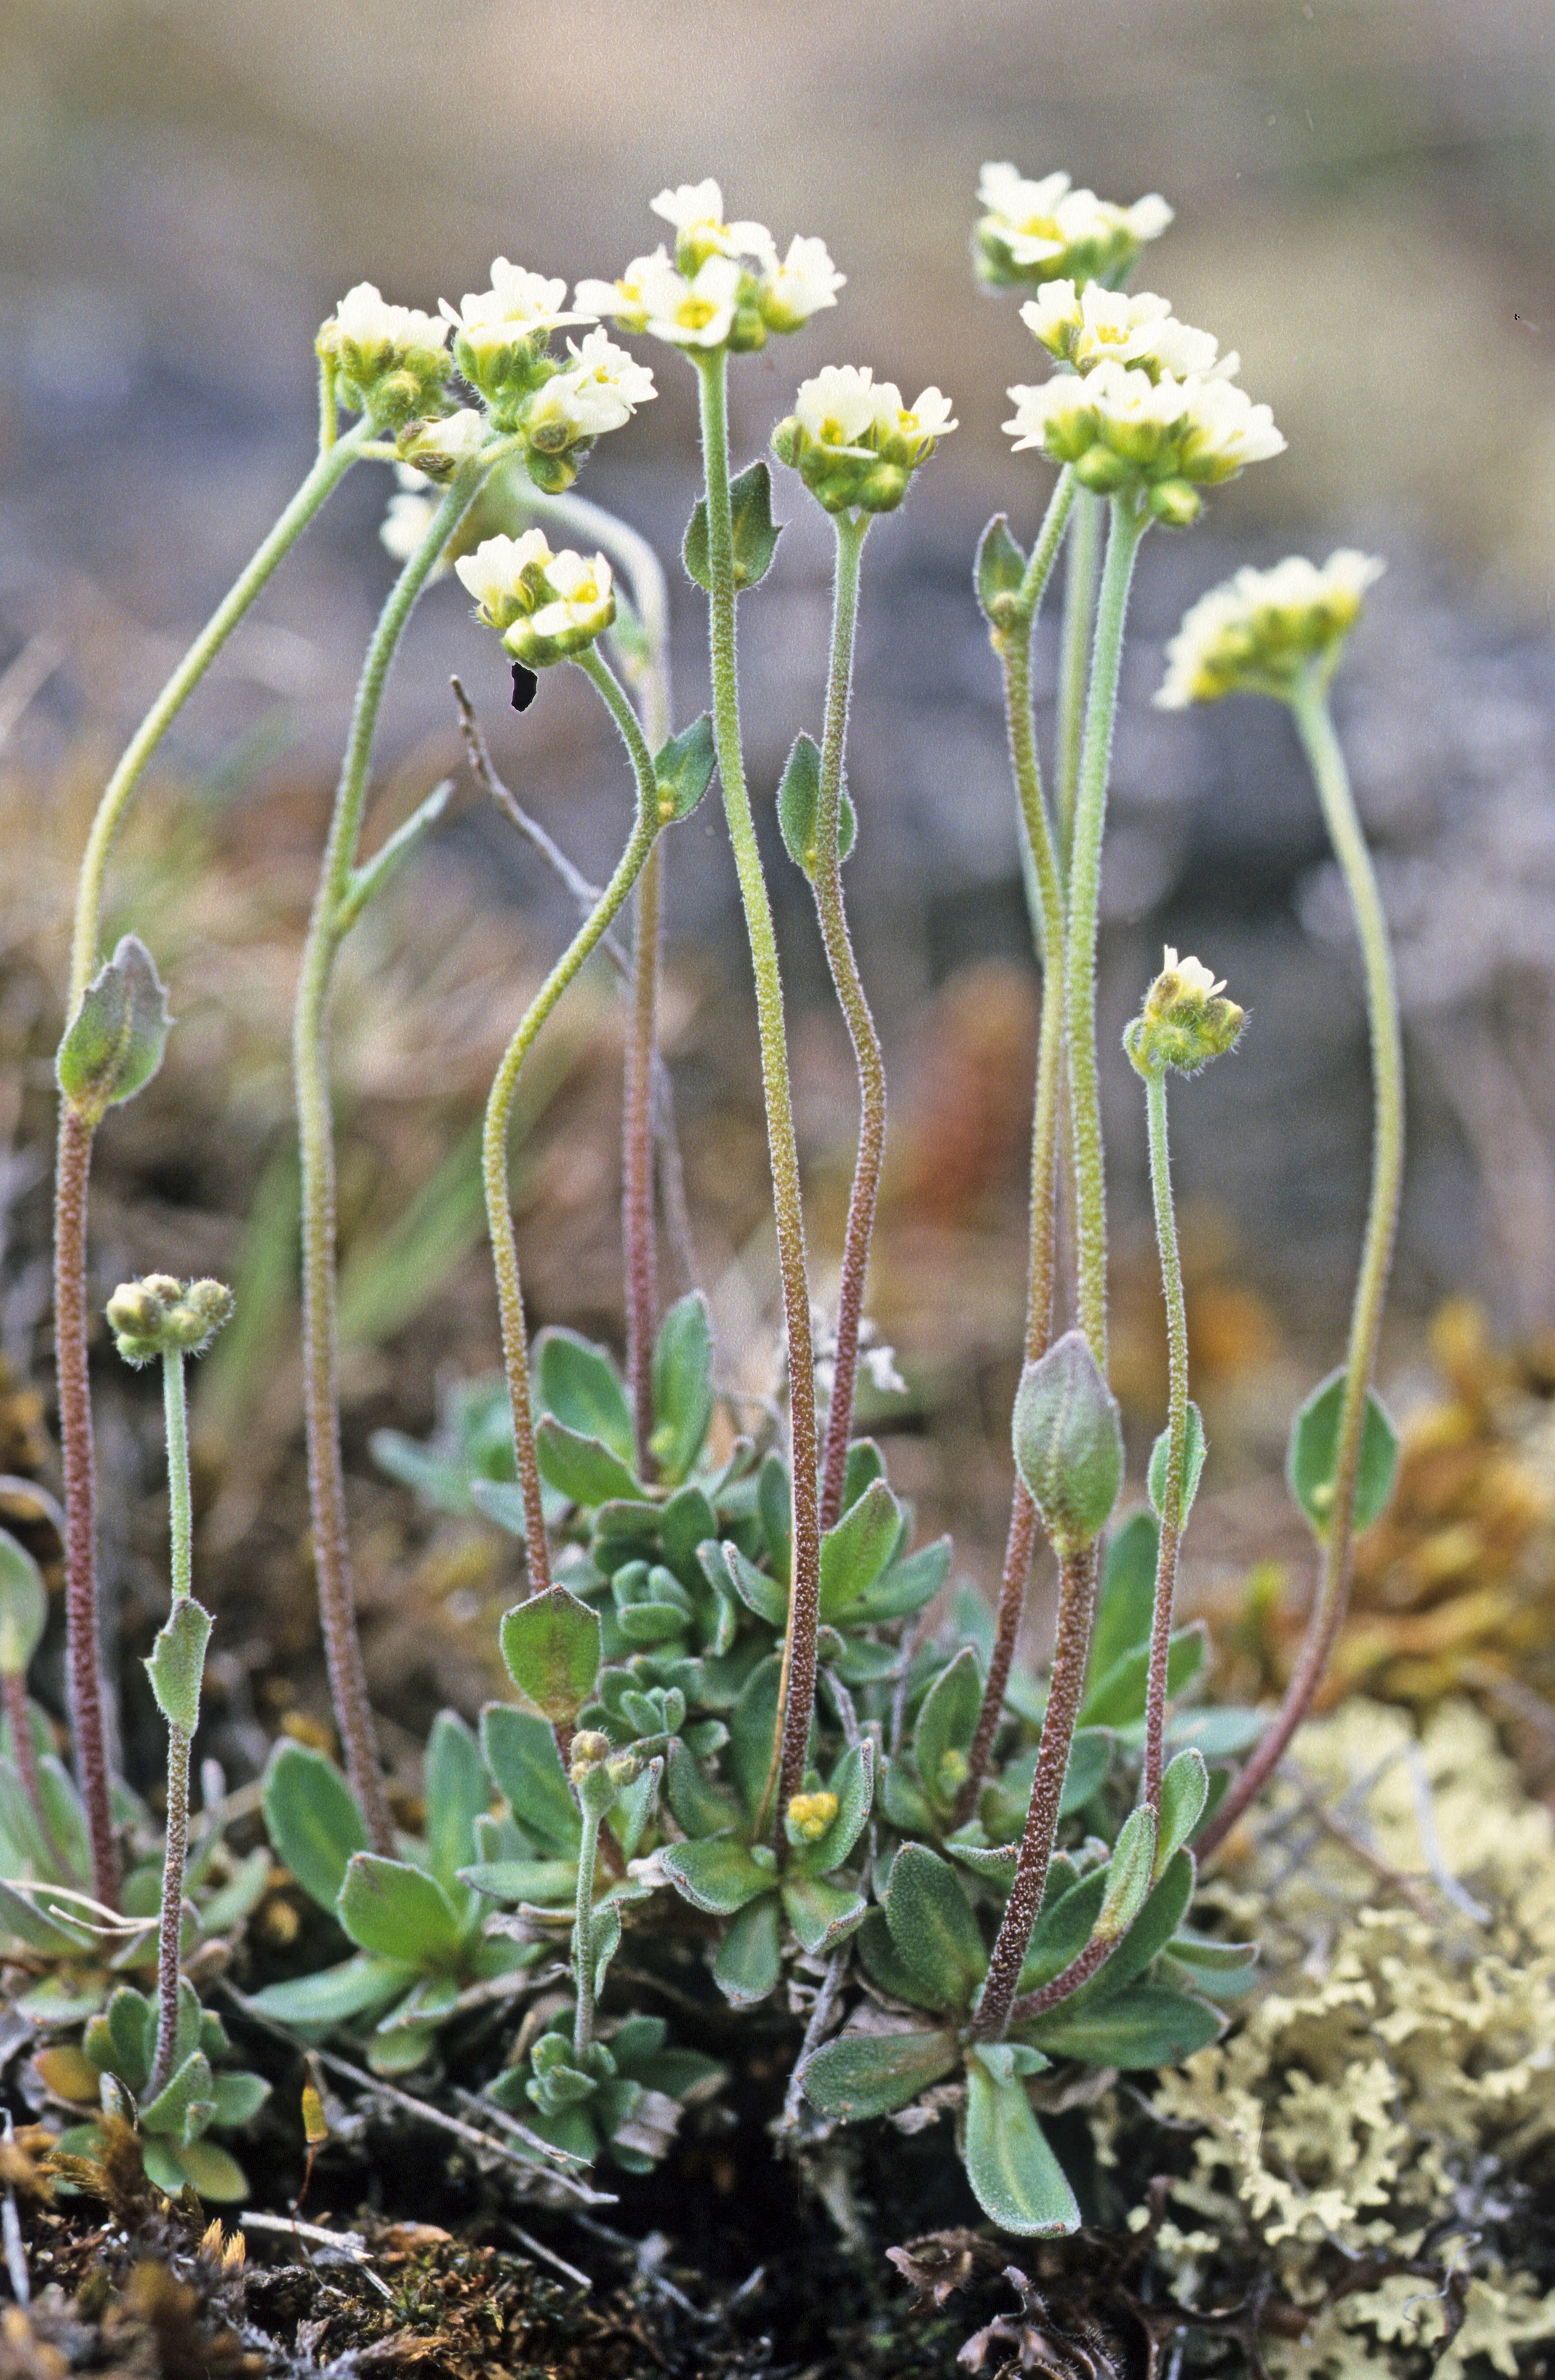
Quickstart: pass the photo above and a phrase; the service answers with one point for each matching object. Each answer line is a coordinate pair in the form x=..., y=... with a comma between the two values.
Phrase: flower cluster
x=854, y=442
x=391, y=362
x=160, y=1315
x=1166, y=437
x=1185, y=1021
x=1263, y=631
x=1034, y=232
x=724, y=287
x=1086, y=325
x=546, y=606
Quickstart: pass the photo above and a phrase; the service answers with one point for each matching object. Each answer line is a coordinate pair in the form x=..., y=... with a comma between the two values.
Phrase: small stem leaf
x=998, y=574
x=1184, y=1789
x=873, y=2074
x=934, y=1928
x=1068, y=1442
x=177, y=1663
x=113, y=1043
x=1128, y=1873
x=1166, y=1905
x=1193, y=1452
x=1310, y=1464
x=552, y=1647
x=1126, y=1604
x=398, y=1912
x=683, y=768
x=1014, y=2176
x=313, y=1820
x=798, y=803
x=946, y=1727
x=578, y=1382
x=756, y=533
x=604, y=1940
x=24, y=1606
x=854, y=1554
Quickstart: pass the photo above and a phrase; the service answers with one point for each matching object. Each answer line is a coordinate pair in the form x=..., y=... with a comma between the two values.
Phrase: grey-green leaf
x=756, y=533
x=1184, y=1789
x=24, y=1606
x=682, y=1386
x=1128, y=1873
x=1310, y=1462
x=177, y=1663
x=749, y=1961
x=683, y=767
x=583, y=1469
x=1016, y=2177
x=1126, y=1602
x=458, y=1792
x=578, y=1383
x=873, y=2074
x=113, y=1043
x=934, y=1927
x=313, y=1820
x=1068, y=1442
x=552, y=1647
x=798, y=807
x=946, y=1727
x=398, y=1912
x=1000, y=572
x=854, y=1554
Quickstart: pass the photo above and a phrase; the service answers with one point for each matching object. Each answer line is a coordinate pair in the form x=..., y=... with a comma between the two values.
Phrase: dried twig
x=10, y=2232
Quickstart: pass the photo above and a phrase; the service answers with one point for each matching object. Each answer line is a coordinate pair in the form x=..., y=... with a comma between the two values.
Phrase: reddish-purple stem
x=83, y=1652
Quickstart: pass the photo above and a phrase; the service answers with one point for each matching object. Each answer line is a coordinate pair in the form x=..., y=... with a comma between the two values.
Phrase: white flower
x=806, y=281
x=839, y=406
x=582, y=606
x=1192, y=975
x=622, y=299
x=442, y=446
x=517, y=304
x=1263, y=630
x=502, y=574
x=366, y=322
x=695, y=313
x=406, y=522
x=1035, y=231
x=1090, y=325
x=1226, y=430
x=1119, y=427
x=696, y=209
x=608, y=378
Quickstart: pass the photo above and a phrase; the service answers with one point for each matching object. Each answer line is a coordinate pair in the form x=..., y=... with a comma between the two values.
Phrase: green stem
x=799, y=1639
x=1081, y=571
x=175, y=1407
x=326, y=1479
x=499, y=1109
x=1176, y=1440
x=181, y=1566
x=869, y=1058
x=1315, y=726
x=583, y=1941
x=1129, y=524
x=638, y=1246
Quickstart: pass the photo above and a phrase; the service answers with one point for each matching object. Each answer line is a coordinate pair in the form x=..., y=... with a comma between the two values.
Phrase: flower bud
x=1185, y=1021
x=160, y=1315
x=808, y=1816
x=589, y=1746
x=1068, y=1442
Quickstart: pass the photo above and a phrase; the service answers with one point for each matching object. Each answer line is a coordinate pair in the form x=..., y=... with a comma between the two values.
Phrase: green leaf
x=821, y=1915
x=22, y=1919
x=1128, y=1873
x=604, y=1940
x=1310, y=1464
x=698, y=1804
x=883, y=1964
x=520, y=1752
x=129, y=2021
x=998, y=574
x=1215, y=1957
x=457, y=1793
x=1194, y=1450
x=206, y=2167
x=240, y=1896
x=1164, y=1910
x=854, y=1554
x=24, y=1606
x=946, y=1728
x=238, y=2098
x=583, y=1469
x=716, y=1873
x=578, y=1382
x=177, y=1663
x=683, y=767
x=934, y=1927
x=1016, y=2177
x=1068, y=1442
x=1118, y=1699
x=552, y=1647
x=398, y=1912
x=1126, y=1604
x=522, y=1879
x=749, y=1959
x=313, y=1820
x=1220, y=1733
x=1184, y=1789
x=186, y=2103
x=864, y=1465
x=753, y=1731
x=852, y=1782
x=727, y=1570
x=798, y=806
x=1063, y=1930
x=1148, y=2025
x=682, y=1386
x=113, y=1043
x=687, y=1522
x=904, y=1800
x=774, y=1508
x=756, y=533
x=868, y=2074
x=903, y=1587
x=357, y=1988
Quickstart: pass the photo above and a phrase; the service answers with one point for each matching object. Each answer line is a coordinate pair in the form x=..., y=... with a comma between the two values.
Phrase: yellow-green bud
x=809, y=1815
x=589, y=1746
x=1185, y=1021
x=159, y=1316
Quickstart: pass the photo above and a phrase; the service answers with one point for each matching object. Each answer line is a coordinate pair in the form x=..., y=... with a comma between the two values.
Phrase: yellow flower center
x=810, y=1814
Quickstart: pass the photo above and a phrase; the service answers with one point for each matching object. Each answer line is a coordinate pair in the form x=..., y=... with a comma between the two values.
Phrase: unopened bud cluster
x=546, y=607
x=808, y=1816
x=1034, y=232
x=160, y=1315
x=1265, y=631
x=1186, y=1020
x=854, y=443
x=598, y=1772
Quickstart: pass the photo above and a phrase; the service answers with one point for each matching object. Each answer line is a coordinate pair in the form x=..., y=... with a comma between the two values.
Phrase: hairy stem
x=326, y=1480
x=583, y=1939
x=1076, y=1612
x=1129, y=524
x=1014, y=644
x=1082, y=569
x=799, y=1638
x=849, y=984
x=639, y=1241
x=1315, y=726
x=499, y=1111
x=1176, y=1441
x=83, y=1650
x=180, y=1517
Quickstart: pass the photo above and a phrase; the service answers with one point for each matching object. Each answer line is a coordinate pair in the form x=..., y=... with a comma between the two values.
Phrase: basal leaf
x=578, y=1382
x=749, y=1958
x=934, y=1928
x=821, y=1915
x=457, y=1793
x=1016, y=2177
x=873, y=2074
x=313, y=1820
x=946, y=1723
x=359, y=1987
x=582, y=1469
x=682, y=1386
x=1184, y=1789
x=398, y=1912
x=717, y=1872
x=520, y=1752
x=1126, y=1604
x=854, y=1554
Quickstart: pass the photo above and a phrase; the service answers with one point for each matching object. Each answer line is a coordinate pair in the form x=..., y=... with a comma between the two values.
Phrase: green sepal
x=854, y=1554
x=313, y=1820
x=398, y=1912
x=683, y=1368
x=582, y=1469
x=755, y=532
x=552, y=1647
x=114, y=1042
x=998, y=574
x=176, y=1663
x=1016, y=2177
x=750, y=1959
x=1310, y=1462
x=24, y=1606
x=868, y=2074
x=798, y=807
x=716, y=1872
x=578, y=1384
x=1193, y=1452
x=683, y=768
x=934, y=1928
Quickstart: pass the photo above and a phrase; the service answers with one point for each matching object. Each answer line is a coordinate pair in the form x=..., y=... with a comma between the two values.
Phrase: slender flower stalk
x=181, y=1547
x=1314, y=721
x=1082, y=571
x=1177, y=1439
x=77, y=1132
x=499, y=1108
x=583, y=1931
x=797, y=1700
x=1130, y=520
x=869, y=1058
x=1015, y=646
x=1076, y=1612
x=336, y=906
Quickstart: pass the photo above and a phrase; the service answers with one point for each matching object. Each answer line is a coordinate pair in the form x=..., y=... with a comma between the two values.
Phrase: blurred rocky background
x=1364, y=201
